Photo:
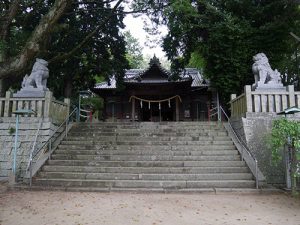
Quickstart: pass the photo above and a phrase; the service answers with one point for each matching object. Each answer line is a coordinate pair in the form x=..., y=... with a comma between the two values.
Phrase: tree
x=287, y=133
x=133, y=51
x=69, y=33
x=225, y=35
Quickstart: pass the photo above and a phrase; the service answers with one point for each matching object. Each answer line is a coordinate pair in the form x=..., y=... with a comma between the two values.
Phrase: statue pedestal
x=30, y=92
x=269, y=87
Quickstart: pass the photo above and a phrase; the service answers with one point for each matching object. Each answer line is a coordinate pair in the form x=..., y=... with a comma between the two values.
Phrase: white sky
x=135, y=26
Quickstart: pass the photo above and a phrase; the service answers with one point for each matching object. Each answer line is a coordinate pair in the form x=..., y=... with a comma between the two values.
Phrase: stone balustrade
x=46, y=107
x=269, y=101
x=50, y=113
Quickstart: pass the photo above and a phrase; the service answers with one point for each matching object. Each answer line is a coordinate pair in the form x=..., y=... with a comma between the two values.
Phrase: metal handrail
x=245, y=147
x=49, y=142
x=34, y=143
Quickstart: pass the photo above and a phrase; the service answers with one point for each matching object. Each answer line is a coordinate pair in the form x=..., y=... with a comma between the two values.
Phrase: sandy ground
x=60, y=208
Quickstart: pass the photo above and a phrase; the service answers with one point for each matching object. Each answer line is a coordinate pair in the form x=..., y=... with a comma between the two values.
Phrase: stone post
x=8, y=96
x=232, y=97
x=68, y=102
x=48, y=101
x=291, y=91
x=249, y=107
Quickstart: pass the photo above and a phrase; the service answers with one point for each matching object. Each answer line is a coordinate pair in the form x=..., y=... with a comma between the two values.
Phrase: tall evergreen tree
x=225, y=35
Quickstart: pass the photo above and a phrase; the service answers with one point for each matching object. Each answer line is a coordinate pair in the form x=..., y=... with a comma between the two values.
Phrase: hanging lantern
x=169, y=103
x=149, y=105
x=141, y=103
x=159, y=106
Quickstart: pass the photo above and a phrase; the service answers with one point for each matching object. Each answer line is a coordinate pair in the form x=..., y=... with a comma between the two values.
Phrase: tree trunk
x=68, y=88
x=18, y=64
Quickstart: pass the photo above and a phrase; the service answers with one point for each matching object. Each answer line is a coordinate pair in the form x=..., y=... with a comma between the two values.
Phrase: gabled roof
x=155, y=73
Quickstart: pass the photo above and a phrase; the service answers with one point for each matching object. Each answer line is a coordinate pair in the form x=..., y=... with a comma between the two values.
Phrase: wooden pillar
x=133, y=109
x=177, y=109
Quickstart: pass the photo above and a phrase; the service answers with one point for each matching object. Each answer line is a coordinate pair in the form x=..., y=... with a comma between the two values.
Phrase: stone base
x=268, y=87
x=30, y=93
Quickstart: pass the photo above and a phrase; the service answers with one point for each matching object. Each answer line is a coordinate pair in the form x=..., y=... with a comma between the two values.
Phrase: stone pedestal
x=30, y=92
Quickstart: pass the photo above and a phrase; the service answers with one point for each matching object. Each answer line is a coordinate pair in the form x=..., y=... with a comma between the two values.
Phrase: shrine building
x=155, y=94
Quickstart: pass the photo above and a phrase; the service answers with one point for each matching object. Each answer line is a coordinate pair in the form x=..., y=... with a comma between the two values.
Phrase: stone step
x=147, y=184
x=152, y=143
x=149, y=124
x=79, y=134
x=196, y=170
x=146, y=163
x=148, y=147
x=147, y=156
x=141, y=176
x=147, y=130
x=147, y=138
x=146, y=152
x=144, y=157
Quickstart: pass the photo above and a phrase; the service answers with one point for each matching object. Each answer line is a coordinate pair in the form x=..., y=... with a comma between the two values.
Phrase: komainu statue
x=264, y=76
x=38, y=77
x=35, y=84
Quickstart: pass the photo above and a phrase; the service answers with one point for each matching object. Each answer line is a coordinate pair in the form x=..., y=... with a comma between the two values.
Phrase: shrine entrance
x=155, y=110
x=155, y=114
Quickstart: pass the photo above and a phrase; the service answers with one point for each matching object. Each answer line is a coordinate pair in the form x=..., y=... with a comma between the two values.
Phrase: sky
x=135, y=26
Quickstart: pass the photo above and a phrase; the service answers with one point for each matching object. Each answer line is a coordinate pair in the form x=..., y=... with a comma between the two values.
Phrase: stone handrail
x=270, y=101
x=47, y=107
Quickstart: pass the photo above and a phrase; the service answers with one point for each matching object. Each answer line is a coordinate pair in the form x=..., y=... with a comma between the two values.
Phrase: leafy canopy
x=224, y=35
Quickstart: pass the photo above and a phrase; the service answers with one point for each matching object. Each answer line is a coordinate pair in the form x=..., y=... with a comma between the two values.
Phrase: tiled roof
x=132, y=75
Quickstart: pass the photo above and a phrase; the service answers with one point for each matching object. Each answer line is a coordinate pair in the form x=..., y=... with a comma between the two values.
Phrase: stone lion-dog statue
x=38, y=77
x=263, y=73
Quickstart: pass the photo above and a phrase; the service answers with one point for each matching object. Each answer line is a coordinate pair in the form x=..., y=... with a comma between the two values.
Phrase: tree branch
x=7, y=19
x=87, y=38
x=18, y=63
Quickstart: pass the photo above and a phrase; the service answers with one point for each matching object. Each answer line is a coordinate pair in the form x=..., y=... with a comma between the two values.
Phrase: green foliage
x=284, y=132
x=197, y=61
x=102, y=56
x=133, y=51
x=11, y=130
x=225, y=35
x=95, y=103
x=287, y=133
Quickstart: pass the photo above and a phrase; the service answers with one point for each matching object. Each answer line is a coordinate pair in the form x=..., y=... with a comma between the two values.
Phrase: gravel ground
x=76, y=208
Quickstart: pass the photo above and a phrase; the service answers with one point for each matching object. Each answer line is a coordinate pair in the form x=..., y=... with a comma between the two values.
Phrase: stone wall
x=28, y=127
x=255, y=129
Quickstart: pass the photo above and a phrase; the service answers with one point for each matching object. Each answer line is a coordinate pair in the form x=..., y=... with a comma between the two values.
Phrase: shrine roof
x=156, y=74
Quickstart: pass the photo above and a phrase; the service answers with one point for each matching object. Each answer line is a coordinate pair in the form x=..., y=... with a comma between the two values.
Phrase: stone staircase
x=146, y=156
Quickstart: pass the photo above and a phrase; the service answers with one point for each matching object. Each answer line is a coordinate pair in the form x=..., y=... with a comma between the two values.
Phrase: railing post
x=66, y=127
x=7, y=112
x=291, y=91
x=249, y=107
x=218, y=108
x=48, y=100
x=50, y=146
x=133, y=109
x=256, y=174
x=177, y=109
x=30, y=173
x=232, y=108
x=68, y=102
